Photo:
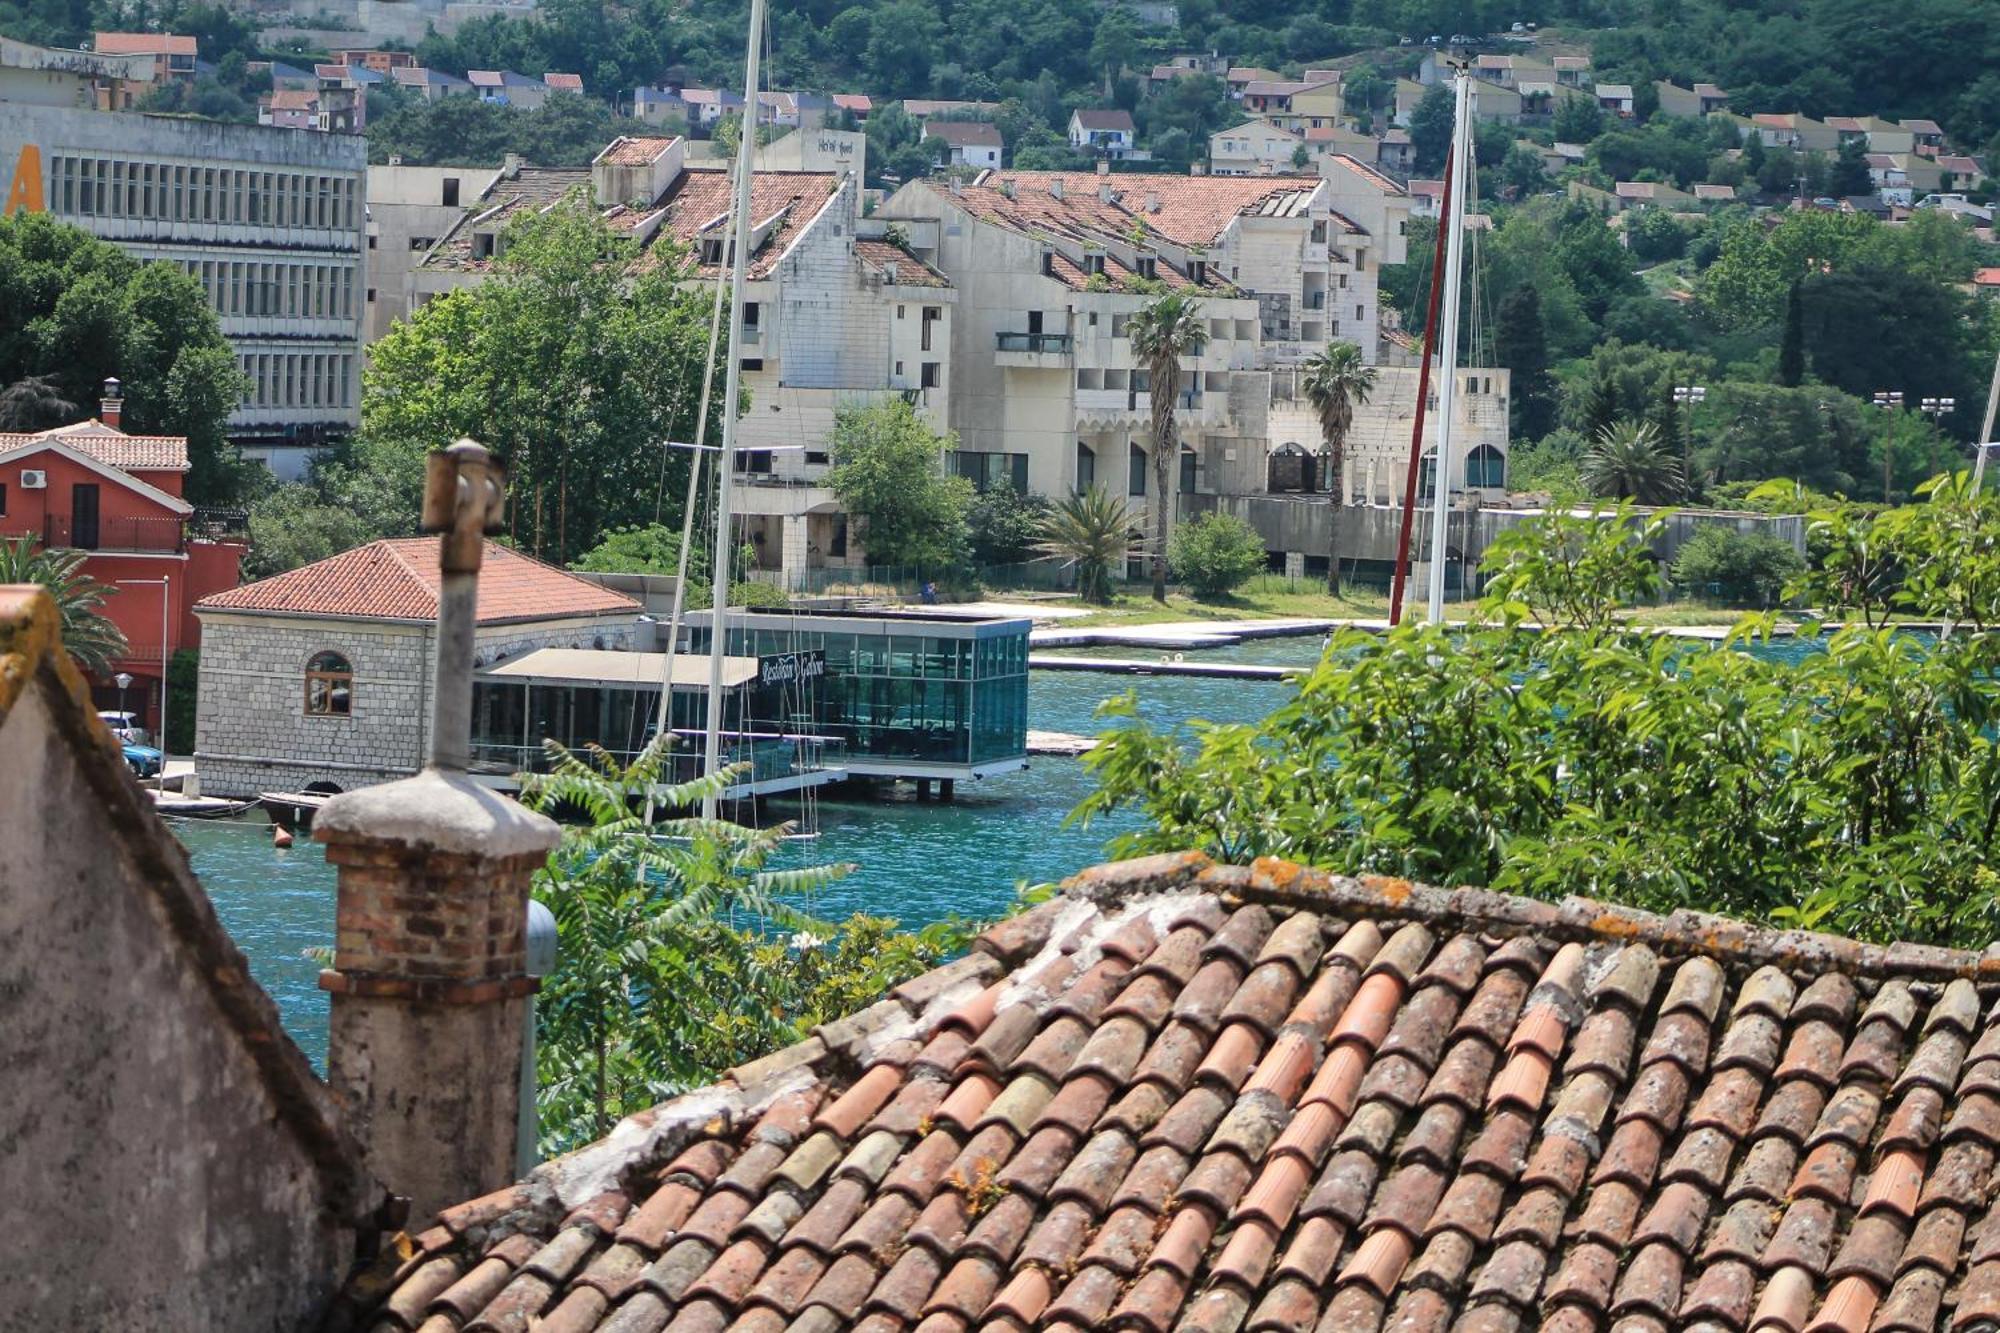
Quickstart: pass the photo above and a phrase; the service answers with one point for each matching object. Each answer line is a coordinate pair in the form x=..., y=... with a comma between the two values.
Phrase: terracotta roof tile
x=397, y=579
x=114, y=448
x=1332, y=1103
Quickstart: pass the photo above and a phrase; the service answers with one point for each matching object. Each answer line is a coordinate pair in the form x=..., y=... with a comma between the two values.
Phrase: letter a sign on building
x=25, y=192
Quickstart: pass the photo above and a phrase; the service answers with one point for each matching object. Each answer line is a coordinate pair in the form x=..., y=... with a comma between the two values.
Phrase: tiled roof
x=1986, y=277
x=626, y=151
x=1703, y=190
x=1105, y=120
x=1354, y=166
x=567, y=82
x=291, y=99
x=1922, y=127
x=964, y=133
x=527, y=188
x=698, y=198
x=910, y=271
x=397, y=579
x=128, y=453
x=1571, y=62
x=1193, y=210
x=854, y=102
x=1188, y=1100
x=145, y=44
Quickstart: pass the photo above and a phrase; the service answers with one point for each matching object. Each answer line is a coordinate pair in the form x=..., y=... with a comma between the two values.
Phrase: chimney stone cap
x=439, y=812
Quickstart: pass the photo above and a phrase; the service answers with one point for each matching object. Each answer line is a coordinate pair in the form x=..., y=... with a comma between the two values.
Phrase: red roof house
x=90, y=486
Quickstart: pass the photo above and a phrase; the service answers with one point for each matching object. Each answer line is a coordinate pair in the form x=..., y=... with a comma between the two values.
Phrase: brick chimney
x=1056, y=186
x=111, y=408
x=429, y=984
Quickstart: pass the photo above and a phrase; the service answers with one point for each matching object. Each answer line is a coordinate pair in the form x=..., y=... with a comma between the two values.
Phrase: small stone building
x=320, y=678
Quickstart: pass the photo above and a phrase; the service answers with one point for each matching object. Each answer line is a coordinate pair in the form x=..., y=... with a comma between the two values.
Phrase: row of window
x=176, y=192
x=297, y=379
x=291, y=291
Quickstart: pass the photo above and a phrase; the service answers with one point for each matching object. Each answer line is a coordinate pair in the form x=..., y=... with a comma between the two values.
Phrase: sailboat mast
x=1429, y=351
x=725, y=462
x=1460, y=169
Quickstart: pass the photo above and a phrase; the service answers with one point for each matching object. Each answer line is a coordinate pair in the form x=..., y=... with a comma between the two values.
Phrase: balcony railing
x=114, y=534
x=1035, y=342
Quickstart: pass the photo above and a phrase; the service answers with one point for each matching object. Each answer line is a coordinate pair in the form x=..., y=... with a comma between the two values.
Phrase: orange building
x=92, y=487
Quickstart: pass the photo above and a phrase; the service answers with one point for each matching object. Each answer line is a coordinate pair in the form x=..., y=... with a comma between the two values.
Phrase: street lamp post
x=123, y=681
x=1687, y=396
x=165, y=584
x=1889, y=400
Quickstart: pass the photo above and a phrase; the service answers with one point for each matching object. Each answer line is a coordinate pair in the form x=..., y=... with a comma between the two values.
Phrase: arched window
x=329, y=686
x=1485, y=467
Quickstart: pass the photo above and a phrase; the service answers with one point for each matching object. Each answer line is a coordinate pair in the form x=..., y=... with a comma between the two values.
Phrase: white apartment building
x=836, y=313
x=269, y=221
x=1052, y=266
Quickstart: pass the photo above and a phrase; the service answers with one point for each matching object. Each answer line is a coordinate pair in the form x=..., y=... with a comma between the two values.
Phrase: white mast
x=725, y=462
x=1454, y=259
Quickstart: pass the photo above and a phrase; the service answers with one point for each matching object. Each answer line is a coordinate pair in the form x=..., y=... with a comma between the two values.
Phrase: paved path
x=1185, y=633
x=1132, y=667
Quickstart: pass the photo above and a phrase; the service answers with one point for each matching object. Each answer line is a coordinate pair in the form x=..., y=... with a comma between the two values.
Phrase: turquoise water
x=918, y=862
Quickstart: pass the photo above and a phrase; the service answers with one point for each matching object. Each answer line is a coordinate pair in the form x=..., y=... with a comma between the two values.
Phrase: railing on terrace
x=1034, y=342
x=114, y=534
x=769, y=759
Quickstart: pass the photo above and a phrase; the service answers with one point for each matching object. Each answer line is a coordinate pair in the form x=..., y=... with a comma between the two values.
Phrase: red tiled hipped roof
x=1192, y=1099
x=397, y=579
x=113, y=448
x=145, y=44
x=1191, y=210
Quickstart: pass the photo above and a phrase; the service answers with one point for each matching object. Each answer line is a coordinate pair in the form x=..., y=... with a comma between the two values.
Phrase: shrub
x=1005, y=525
x=1214, y=554
x=1737, y=568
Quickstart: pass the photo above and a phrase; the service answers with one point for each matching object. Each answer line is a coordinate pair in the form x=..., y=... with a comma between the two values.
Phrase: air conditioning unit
x=34, y=479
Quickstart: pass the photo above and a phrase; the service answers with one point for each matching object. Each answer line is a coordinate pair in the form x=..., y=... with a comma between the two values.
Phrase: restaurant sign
x=791, y=668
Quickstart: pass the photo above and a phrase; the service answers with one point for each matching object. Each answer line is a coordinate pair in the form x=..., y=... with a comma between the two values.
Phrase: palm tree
x=1629, y=461
x=1094, y=532
x=94, y=642
x=1336, y=382
x=1165, y=330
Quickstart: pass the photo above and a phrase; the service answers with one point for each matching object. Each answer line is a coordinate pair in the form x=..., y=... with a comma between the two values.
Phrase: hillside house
x=968, y=143
x=1105, y=133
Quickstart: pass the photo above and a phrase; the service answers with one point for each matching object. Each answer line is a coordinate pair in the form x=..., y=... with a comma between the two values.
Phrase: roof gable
x=1224, y=1098
x=36, y=444
x=397, y=579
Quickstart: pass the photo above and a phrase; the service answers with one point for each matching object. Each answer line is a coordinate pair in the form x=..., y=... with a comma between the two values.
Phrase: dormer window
x=1093, y=264
x=1197, y=271
x=1149, y=267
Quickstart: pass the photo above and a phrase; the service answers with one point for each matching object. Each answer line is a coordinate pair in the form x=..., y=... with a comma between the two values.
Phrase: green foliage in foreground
x=1856, y=789
x=1214, y=554
x=680, y=955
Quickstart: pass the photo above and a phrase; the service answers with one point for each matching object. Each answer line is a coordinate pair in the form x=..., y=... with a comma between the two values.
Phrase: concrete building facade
x=409, y=208
x=269, y=221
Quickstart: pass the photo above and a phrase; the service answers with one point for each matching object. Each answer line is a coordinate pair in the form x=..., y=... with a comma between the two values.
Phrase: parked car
x=143, y=760
x=125, y=726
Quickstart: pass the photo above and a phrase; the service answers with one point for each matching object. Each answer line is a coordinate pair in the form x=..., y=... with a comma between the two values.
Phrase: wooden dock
x=1060, y=744
x=1124, y=666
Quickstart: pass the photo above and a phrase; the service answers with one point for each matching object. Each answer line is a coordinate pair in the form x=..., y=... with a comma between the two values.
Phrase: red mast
x=1423, y=398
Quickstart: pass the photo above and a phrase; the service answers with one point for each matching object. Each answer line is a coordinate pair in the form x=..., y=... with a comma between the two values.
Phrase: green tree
x=293, y=525
x=652, y=549
x=1737, y=568
x=1004, y=525
x=1214, y=553
x=1792, y=350
x=1335, y=382
x=1850, y=169
x=1520, y=343
x=1094, y=533
x=1845, y=790
x=568, y=362
x=1430, y=128
x=35, y=403
x=1578, y=118
x=654, y=991
x=888, y=474
x=1165, y=330
x=93, y=641
x=1523, y=173
x=1629, y=461
x=1653, y=235
x=80, y=311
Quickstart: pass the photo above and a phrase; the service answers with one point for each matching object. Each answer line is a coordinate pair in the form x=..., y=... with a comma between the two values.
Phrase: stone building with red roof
x=316, y=679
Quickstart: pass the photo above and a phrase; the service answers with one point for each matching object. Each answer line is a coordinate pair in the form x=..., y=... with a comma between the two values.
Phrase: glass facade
x=511, y=719
x=934, y=694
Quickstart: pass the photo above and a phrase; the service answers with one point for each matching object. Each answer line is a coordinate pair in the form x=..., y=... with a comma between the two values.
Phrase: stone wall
x=154, y=1114
x=252, y=733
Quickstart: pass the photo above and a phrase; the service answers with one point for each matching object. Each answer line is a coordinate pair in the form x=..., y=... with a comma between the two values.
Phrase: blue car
x=143, y=760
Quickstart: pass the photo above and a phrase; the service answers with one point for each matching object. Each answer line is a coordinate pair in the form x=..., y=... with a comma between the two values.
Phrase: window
x=425, y=242
x=1136, y=460
x=1086, y=467
x=329, y=686
x=931, y=374
x=1485, y=466
x=451, y=192
x=3, y=499
x=1187, y=472
x=988, y=471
